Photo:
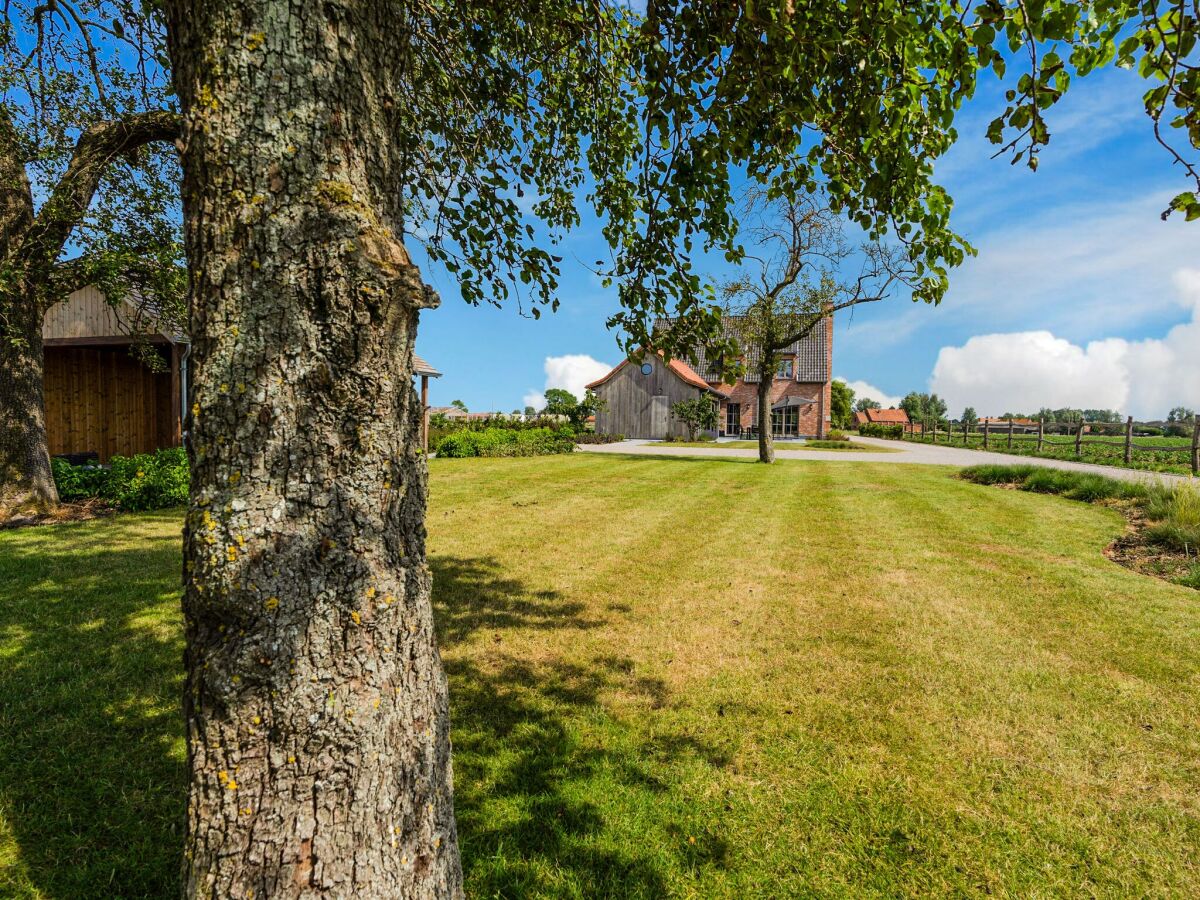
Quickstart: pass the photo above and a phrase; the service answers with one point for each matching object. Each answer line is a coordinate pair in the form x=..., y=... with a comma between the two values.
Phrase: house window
x=785, y=422
x=785, y=369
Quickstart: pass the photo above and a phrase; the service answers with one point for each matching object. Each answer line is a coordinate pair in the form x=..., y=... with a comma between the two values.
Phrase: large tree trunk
x=766, y=442
x=317, y=718
x=26, y=482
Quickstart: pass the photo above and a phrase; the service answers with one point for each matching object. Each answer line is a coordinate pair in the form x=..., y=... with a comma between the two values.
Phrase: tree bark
x=766, y=441
x=26, y=482
x=316, y=705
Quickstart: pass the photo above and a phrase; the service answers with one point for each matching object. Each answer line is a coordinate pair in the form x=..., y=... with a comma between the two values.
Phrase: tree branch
x=94, y=153
x=16, y=198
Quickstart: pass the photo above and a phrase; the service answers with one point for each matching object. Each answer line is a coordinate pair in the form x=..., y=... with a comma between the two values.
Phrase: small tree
x=697, y=414
x=584, y=409
x=841, y=404
x=560, y=402
x=969, y=417
x=865, y=403
x=458, y=404
x=1181, y=414
x=530, y=412
x=803, y=256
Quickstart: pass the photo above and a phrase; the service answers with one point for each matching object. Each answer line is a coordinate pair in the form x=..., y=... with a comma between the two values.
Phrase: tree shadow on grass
x=92, y=775
x=548, y=781
x=92, y=783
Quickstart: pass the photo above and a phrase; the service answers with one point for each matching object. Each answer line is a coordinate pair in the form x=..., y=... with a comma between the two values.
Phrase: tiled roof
x=996, y=420
x=809, y=352
x=887, y=416
x=420, y=367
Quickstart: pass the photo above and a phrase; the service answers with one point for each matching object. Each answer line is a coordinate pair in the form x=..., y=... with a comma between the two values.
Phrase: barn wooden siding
x=86, y=315
x=629, y=394
x=103, y=399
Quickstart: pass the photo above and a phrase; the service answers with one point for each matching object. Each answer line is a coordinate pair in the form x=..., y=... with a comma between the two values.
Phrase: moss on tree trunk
x=316, y=706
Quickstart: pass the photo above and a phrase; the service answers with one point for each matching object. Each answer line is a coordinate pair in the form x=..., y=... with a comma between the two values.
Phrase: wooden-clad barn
x=637, y=397
x=100, y=397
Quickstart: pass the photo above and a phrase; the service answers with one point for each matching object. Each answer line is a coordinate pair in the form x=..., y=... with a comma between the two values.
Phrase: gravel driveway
x=905, y=453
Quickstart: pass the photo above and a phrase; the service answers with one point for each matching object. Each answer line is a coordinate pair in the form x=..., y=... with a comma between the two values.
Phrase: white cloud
x=1079, y=266
x=571, y=372
x=1023, y=371
x=863, y=389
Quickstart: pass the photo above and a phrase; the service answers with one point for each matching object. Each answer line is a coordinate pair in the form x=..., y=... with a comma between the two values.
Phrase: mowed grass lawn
x=680, y=677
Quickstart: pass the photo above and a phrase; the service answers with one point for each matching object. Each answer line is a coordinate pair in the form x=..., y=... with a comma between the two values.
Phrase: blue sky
x=1080, y=294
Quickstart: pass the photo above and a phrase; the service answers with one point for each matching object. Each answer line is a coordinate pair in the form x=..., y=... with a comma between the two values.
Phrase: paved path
x=906, y=453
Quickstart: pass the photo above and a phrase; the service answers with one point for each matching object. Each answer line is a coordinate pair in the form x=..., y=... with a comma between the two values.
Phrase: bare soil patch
x=79, y=511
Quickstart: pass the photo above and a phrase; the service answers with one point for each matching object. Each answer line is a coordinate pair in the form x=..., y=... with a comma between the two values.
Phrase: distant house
x=891, y=416
x=450, y=412
x=101, y=398
x=1019, y=425
x=638, y=396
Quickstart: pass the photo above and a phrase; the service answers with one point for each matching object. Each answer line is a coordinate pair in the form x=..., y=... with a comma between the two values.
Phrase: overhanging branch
x=94, y=153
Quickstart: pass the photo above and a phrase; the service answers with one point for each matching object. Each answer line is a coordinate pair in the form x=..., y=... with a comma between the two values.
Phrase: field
x=909, y=686
x=1092, y=451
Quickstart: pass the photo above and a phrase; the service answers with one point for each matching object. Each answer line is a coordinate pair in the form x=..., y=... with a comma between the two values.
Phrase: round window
x=647, y=368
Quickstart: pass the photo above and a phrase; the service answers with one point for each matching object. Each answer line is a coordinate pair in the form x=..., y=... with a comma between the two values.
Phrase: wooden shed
x=637, y=397
x=100, y=396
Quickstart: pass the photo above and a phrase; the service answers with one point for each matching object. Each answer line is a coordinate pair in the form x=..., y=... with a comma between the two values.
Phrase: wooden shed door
x=658, y=417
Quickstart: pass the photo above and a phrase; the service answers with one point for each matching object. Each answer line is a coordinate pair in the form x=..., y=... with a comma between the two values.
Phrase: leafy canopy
x=67, y=68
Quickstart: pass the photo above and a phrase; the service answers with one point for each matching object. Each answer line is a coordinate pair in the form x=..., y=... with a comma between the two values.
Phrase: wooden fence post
x=1196, y=445
x=984, y=425
x=1079, y=440
x=1129, y=440
x=965, y=427
x=1041, y=433
x=1010, y=434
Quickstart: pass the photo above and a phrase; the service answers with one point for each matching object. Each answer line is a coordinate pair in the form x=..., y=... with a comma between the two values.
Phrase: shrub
x=147, y=481
x=836, y=436
x=830, y=445
x=507, y=442
x=874, y=429
x=78, y=482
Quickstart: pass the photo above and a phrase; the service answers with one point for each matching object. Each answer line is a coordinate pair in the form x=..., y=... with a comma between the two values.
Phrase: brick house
x=881, y=417
x=800, y=394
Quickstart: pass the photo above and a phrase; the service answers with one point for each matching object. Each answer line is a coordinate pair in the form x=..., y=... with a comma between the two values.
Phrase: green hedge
x=507, y=442
x=146, y=481
x=875, y=430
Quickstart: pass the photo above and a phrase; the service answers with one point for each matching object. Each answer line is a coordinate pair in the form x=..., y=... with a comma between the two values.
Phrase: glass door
x=733, y=418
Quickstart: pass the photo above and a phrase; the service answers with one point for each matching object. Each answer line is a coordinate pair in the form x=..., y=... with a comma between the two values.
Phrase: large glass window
x=785, y=368
x=785, y=422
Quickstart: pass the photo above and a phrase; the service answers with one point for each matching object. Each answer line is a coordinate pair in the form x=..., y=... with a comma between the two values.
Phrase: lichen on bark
x=316, y=706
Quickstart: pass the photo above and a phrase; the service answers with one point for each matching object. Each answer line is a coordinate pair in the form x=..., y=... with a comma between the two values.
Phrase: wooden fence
x=1007, y=432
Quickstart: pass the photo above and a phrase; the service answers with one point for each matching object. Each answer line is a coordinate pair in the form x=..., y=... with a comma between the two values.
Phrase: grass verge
x=1164, y=534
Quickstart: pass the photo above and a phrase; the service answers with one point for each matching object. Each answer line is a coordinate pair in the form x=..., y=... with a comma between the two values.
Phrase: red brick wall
x=747, y=396
x=814, y=420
